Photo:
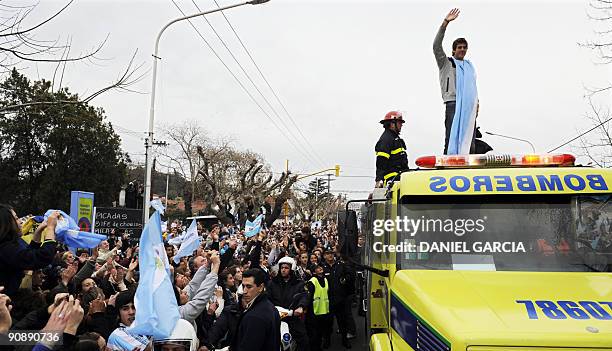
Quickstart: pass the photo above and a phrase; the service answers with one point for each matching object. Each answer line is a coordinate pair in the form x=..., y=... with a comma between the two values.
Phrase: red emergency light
x=476, y=161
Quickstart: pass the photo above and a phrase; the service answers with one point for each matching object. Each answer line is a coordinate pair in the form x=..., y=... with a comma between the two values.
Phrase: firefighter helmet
x=393, y=116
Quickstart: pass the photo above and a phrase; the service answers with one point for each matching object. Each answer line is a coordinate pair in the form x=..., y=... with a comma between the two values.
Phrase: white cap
x=287, y=260
x=182, y=335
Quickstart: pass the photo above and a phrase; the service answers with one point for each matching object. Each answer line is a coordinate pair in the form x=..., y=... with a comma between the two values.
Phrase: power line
x=267, y=83
x=242, y=85
x=122, y=130
x=352, y=191
x=253, y=83
x=580, y=135
x=356, y=176
x=340, y=176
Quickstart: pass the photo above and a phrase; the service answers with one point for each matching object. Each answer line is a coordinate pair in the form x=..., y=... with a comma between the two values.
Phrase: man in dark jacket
x=391, y=157
x=286, y=291
x=307, y=238
x=341, y=286
x=221, y=331
x=259, y=323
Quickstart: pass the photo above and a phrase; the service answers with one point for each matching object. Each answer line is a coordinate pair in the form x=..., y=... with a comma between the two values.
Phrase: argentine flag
x=253, y=228
x=67, y=232
x=190, y=243
x=177, y=240
x=156, y=307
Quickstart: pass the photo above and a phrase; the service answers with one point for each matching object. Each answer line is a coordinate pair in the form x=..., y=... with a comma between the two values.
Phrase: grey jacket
x=196, y=281
x=446, y=67
x=192, y=309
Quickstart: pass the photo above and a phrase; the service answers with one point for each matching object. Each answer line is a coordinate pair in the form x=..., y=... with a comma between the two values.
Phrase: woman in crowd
x=17, y=256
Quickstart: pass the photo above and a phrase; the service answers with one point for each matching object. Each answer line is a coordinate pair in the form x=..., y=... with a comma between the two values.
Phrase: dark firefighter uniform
x=391, y=157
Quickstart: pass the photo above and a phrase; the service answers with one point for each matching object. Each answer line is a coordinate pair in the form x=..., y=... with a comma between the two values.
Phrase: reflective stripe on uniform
x=389, y=175
x=383, y=154
x=397, y=151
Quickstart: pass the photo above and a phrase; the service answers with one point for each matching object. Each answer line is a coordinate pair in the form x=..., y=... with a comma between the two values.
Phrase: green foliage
x=50, y=144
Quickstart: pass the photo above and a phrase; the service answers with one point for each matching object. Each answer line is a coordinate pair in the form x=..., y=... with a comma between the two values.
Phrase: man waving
x=459, y=93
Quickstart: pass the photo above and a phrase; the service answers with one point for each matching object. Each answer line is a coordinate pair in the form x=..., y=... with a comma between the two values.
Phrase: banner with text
x=123, y=220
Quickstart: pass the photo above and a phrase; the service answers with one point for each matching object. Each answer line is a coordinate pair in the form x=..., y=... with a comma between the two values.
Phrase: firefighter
x=391, y=157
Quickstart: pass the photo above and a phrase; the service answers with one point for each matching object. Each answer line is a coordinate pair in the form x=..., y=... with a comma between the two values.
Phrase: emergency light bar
x=476, y=161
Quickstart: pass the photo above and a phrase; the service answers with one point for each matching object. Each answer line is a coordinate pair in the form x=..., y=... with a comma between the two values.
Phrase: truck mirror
x=347, y=232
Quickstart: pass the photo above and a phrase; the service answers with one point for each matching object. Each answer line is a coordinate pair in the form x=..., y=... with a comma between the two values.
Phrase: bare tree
x=241, y=181
x=600, y=12
x=123, y=82
x=308, y=203
x=19, y=43
x=597, y=147
x=182, y=153
x=331, y=206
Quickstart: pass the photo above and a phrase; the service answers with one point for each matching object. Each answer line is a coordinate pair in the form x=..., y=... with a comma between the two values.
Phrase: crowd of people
x=226, y=291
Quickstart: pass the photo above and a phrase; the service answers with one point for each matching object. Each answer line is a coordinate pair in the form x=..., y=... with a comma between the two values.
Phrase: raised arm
x=441, y=57
x=192, y=309
x=196, y=281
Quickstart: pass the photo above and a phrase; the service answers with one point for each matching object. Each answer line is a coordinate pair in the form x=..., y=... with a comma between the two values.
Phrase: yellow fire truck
x=489, y=252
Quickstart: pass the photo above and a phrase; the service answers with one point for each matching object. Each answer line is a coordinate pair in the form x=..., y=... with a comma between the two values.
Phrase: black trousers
x=317, y=327
x=297, y=328
x=344, y=317
x=348, y=313
x=448, y=124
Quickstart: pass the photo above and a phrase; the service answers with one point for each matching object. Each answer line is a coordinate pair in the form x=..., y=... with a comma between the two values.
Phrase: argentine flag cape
x=464, y=121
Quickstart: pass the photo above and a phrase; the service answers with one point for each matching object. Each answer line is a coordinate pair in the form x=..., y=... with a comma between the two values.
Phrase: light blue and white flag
x=67, y=232
x=253, y=228
x=177, y=240
x=156, y=306
x=190, y=243
x=120, y=340
x=464, y=121
x=158, y=206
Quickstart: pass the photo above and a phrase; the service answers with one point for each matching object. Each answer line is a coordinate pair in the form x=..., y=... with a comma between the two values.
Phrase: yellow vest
x=320, y=301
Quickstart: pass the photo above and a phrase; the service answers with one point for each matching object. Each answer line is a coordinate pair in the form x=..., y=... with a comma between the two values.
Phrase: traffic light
x=337, y=170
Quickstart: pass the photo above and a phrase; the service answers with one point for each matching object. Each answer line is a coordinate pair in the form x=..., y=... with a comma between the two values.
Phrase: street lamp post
x=149, y=140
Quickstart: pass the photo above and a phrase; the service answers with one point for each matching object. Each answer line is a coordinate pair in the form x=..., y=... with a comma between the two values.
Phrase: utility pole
x=317, y=200
x=328, y=182
x=167, y=184
x=286, y=204
x=145, y=200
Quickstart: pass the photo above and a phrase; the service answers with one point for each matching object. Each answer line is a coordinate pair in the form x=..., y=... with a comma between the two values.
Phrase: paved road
x=359, y=343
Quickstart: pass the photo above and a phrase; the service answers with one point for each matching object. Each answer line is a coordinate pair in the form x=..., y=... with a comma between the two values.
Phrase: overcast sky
x=338, y=67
